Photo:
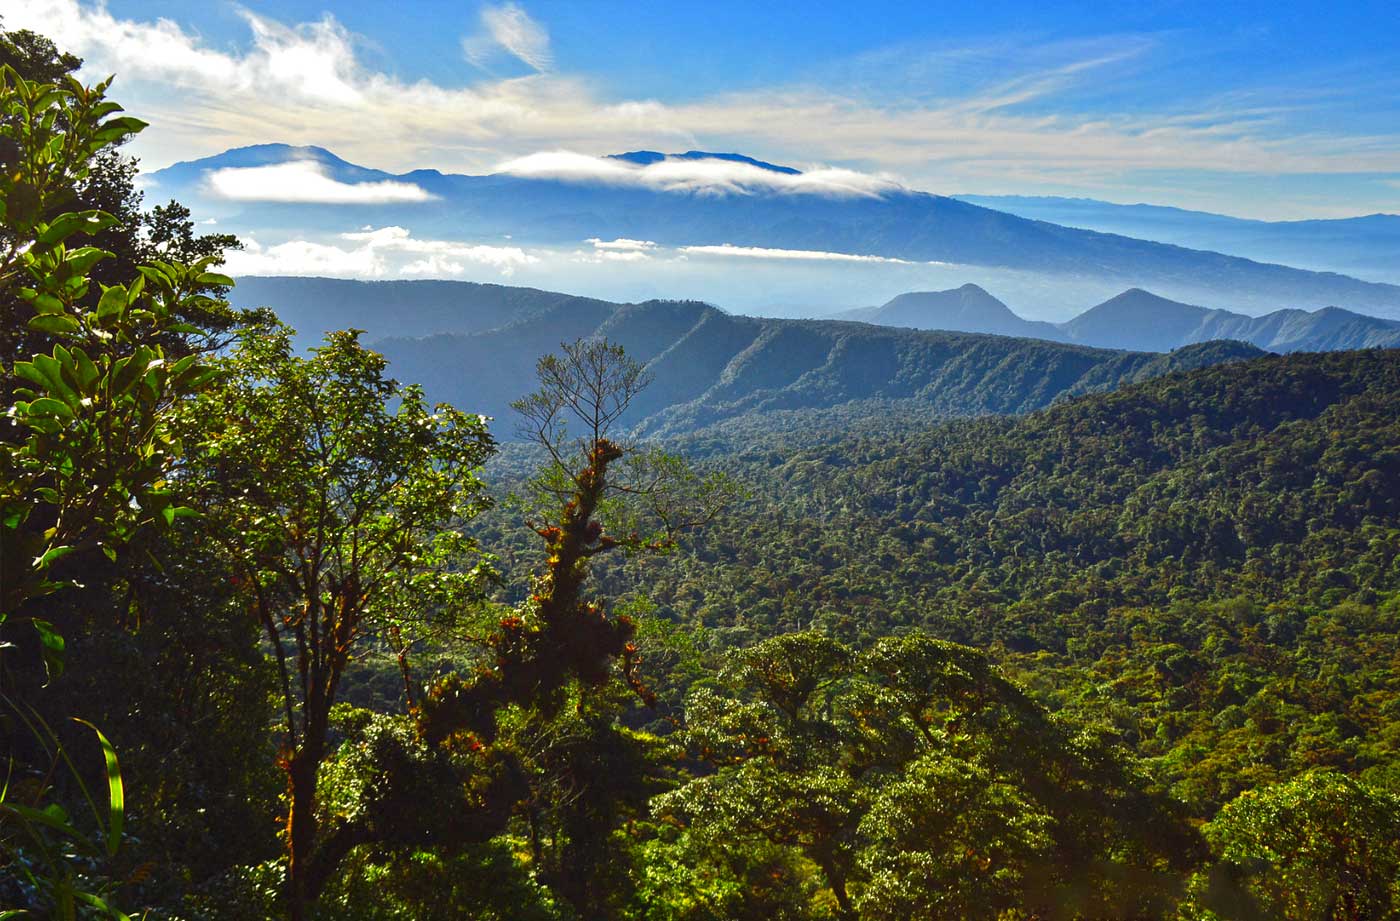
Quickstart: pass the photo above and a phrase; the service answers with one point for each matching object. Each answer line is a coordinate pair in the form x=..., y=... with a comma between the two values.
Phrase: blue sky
x=1272, y=110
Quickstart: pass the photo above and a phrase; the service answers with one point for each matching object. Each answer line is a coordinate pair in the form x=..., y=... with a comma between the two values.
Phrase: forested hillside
x=1210, y=561
x=477, y=344
x=709, y=366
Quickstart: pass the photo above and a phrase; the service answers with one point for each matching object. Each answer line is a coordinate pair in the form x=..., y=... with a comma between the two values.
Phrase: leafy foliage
x=920, y=783
x=1320, y=846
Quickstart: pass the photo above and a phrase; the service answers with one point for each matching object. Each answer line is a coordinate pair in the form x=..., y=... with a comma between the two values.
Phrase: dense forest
x=280, y=637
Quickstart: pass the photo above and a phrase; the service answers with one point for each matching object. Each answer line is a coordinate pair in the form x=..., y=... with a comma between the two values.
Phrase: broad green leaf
x=113, y=302
x=215, y=278
x=45, y=304
x=65, y=225
x=56, y=325
x=48, y=406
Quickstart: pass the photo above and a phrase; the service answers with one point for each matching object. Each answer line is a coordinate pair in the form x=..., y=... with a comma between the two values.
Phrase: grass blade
x=116, y=795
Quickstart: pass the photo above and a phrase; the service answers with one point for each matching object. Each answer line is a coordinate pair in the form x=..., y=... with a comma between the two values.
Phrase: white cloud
x=376, y=253
x=510, y=28
x=762, y=252
x=612, y=255
x=304, y=257
x=706, y=176
x=621, y=243
x=307, y=181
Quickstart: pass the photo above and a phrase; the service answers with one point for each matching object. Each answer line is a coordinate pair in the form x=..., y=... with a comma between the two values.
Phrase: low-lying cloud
x=700, y=176
x=307, y=182
x=385, y=252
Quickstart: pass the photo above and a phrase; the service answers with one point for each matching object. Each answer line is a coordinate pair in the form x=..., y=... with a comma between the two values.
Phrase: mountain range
x=1138, y=320
x=476, y=347
x=1366, y=246
x=756, y=205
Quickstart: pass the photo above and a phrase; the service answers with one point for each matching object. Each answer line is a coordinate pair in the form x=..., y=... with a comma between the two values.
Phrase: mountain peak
x=969, y=308
x=648, y=157
x=255, y=155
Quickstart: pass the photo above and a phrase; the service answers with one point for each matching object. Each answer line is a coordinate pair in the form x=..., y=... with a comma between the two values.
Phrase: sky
x=1271, y=110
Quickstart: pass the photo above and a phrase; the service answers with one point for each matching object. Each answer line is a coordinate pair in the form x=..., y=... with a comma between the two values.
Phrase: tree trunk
x=301, y=832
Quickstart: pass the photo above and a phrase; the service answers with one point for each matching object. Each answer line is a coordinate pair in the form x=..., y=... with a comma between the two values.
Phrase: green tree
x=339, y=495
x=920, y=783
x=1321, y=847
x=88, y=445
x=597, y=494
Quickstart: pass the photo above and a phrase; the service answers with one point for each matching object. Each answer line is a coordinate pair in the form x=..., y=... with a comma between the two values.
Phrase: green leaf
x=45, y=304
x=116, y=796
x=50, y=818
x=53, y=555
x=117, y=128
x=216, y=279
x=52, y=647
x=79, y=262
x=112, y=304
x=65, y=225
x=48, y=406
x=56, y=325
x=100, y=905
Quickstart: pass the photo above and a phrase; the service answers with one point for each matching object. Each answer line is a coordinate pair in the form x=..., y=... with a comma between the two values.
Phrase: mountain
x=755, y=204
x=418, y=307
x=707, y=365
x=1367, y=246
x=967, y=309
x=1137, y=320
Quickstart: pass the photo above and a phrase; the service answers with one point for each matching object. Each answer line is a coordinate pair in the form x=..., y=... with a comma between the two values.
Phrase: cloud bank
x=306, y=181
x=384, y=252
x=703, y=176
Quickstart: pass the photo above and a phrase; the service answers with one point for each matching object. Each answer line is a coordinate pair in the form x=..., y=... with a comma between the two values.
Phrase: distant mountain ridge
x=1138, y=320
x=1367, y=246
x=708, y=366
x=894, y=223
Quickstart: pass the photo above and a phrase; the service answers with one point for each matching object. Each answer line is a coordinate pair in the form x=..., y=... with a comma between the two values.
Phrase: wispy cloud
x=510, y=29
x=305, y=181
x=706, y=176
x=376, y=253
x=761, y=252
